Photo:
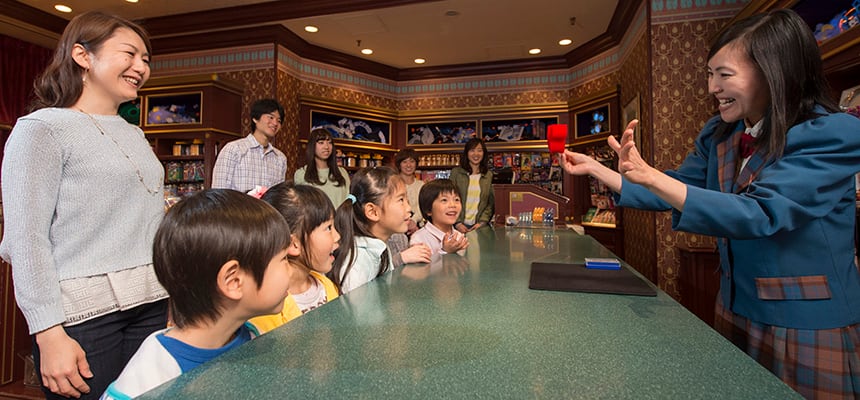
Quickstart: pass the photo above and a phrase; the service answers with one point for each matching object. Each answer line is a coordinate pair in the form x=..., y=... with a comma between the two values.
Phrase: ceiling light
x=63, y=8
x=420, y=61
x=534, y=51
x=366, y=51
x=452, y=13
x=132, y=1
x=311, y=29
x=565, y=42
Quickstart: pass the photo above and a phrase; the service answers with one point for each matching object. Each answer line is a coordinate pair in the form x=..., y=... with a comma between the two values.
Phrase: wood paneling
x=699, y=280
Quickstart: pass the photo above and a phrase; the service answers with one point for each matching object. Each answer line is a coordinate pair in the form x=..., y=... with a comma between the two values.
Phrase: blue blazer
x=785, y=227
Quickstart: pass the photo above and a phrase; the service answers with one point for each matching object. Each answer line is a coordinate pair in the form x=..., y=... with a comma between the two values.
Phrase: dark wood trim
x=756, y=7
x=841, y=52
x=623, y=18
x=216, y=40
x=33, y=16
x=483, y=68
x=260, y=13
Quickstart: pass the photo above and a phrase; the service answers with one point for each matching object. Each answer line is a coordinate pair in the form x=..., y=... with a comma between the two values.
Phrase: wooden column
x=699, y=280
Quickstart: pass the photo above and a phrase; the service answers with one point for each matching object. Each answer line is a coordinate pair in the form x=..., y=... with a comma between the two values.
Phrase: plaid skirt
x=818, y=364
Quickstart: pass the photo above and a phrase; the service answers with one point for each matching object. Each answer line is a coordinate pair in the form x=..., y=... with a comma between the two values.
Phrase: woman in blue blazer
x=772, y=177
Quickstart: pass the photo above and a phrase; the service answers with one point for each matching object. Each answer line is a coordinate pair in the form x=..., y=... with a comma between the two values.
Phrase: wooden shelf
x=181, y=158
x=597, y=225
x=435, y=166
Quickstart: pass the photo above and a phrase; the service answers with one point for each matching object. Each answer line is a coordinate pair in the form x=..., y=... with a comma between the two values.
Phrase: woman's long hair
x=781, y=46
x=311, y=172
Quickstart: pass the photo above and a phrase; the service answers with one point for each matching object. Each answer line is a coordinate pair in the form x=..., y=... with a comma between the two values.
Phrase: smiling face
x=407, y=167
x=322, y=242
x=740, y=87
x=446, y=208
x=268, y=125
x=117, y=70
x=475, y=155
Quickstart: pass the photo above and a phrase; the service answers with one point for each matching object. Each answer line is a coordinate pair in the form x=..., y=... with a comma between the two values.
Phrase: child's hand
x=453, y=243
x=417, y=253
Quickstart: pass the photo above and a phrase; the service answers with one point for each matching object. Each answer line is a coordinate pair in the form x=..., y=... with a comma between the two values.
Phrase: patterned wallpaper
x=681, y=105
x=288, y=139
x=639, y=239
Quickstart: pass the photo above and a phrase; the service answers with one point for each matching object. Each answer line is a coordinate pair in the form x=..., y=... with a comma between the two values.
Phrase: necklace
x=127, y=157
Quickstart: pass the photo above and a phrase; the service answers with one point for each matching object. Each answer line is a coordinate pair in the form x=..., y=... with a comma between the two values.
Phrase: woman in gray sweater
x=82, y=193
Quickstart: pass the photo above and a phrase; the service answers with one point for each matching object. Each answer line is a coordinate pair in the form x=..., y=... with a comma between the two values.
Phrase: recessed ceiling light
x=420, y=61
x=366, y=51
x=311, y=29
x=565, y=42
x=452, y=13
x=132, y=1
x=534, y=51
x=63, y=8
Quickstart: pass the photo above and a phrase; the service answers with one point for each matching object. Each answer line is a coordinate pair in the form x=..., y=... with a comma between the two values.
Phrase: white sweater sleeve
x=32, y=169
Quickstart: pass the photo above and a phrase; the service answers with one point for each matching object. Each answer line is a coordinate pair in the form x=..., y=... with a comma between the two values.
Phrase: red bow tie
x=747, y=148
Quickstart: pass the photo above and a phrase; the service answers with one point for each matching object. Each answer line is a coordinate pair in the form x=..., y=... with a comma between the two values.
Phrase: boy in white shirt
x=222, y=257
x=440, y=205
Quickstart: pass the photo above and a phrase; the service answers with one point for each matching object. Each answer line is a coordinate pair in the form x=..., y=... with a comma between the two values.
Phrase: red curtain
x=20, y=63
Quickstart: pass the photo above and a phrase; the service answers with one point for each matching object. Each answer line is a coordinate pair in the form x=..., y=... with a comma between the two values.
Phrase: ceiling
x=445, y=33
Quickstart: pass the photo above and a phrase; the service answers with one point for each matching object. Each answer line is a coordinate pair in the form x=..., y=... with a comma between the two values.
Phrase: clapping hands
x=454, y=242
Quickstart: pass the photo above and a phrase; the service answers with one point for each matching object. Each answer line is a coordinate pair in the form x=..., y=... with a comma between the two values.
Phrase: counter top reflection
x=469, y=327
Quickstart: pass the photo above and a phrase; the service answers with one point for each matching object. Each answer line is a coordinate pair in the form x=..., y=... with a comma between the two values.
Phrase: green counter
x=469, y=327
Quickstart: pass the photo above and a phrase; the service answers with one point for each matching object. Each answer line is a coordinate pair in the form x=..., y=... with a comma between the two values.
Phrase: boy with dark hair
x=253, y=161
x=222, y=257
x=440, y=205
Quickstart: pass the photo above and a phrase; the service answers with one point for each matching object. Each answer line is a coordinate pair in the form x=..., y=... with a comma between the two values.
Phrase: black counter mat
x=577, y=278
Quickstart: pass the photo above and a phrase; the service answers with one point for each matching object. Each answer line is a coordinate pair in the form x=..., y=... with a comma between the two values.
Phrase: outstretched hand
x=575, y=163
x=630, y=162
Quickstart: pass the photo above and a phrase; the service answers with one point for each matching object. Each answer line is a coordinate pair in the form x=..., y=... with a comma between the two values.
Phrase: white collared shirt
x=433, y=236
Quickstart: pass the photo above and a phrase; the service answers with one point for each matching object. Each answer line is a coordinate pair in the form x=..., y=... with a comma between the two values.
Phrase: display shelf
x=162, y=144
x=209, y=110
x=432, y=167
x=181, y=158
x=597, y=225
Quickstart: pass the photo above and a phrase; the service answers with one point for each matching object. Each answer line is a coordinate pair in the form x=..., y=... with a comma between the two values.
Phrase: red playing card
x=556, y=136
